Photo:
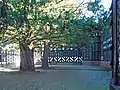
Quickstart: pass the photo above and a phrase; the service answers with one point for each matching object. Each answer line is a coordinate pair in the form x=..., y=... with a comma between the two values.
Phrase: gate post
x=99, y=45
x=97, y=53
x=115, y=54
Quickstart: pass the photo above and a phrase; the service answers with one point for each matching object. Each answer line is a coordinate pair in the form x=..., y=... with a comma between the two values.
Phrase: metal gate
x=65, y=55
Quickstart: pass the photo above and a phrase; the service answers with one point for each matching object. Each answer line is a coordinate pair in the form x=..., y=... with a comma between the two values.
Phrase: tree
x=56, y=22
x=27, y=22
x=88, y=26
x=101, y=16
x=54, y=25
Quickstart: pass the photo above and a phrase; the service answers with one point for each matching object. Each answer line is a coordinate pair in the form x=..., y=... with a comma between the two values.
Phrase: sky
x=105, y=3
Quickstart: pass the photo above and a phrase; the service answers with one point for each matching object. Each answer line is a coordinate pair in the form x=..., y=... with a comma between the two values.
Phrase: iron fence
x=59, y=55
x=65, y=55
x=107, y=49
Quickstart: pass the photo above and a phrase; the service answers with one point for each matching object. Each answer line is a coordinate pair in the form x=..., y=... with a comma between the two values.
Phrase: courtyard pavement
x=58, y=77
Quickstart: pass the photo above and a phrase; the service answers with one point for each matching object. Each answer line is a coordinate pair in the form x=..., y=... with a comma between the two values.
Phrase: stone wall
x=105, y=64
x=95, y=63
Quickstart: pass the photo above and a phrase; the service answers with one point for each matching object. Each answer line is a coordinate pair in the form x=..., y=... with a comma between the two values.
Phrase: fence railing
x=59, y=55
x=65, y=55
x=107, y=49
x=12, y=57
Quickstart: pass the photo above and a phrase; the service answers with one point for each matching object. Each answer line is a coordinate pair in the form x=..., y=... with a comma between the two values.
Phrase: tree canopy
x=52, y=20
x=30, y=23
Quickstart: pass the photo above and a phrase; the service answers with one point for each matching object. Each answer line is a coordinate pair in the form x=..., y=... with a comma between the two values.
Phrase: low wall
x=105, y=64
x=95, y=63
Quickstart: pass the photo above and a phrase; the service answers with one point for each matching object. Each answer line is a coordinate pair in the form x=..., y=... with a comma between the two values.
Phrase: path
x=59, y=78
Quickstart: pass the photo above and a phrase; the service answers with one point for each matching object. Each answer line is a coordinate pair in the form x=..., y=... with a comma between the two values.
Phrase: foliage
x=58, y=22
x=36, y=21
x=101, y=16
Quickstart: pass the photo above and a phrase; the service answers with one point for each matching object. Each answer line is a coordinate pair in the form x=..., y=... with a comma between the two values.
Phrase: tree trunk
x=27, y=57
x=45, y=56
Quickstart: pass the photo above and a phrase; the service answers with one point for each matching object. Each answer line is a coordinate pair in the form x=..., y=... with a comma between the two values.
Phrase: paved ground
x=62, y=77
